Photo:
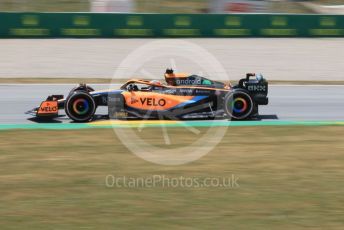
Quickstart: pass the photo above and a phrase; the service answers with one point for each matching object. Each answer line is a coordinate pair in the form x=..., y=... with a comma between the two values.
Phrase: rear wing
x=257, y=87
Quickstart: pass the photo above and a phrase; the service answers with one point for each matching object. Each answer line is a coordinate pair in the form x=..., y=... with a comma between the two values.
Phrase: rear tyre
x=80, y=106
x=238, y=105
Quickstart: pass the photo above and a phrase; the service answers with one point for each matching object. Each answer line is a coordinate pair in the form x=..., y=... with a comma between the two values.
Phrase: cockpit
x=142, y=85
x=173, y=79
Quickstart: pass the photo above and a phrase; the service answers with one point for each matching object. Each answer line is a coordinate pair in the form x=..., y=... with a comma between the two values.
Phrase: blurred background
x=176, y=6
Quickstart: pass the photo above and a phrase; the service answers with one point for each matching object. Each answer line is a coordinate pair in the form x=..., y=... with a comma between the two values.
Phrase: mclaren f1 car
x=183, y=96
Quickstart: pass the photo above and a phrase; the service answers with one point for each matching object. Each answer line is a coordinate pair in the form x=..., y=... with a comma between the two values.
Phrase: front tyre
x=82, y=87
x=80, y=106
x=238, y=105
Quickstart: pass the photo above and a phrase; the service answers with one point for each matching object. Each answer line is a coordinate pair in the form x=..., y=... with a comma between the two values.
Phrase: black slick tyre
x=80, y=106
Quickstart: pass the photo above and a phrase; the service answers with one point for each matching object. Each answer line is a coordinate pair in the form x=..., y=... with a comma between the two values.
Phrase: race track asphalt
x=287, y=102
x=293, y=59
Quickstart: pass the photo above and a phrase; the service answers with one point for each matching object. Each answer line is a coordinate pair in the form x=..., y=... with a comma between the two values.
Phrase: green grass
x=289, y=178
x=329, y=2
x=145, y=6
x=45, y=6
x=161, y=6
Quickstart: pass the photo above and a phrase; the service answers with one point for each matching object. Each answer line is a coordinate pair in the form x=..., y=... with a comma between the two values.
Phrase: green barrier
x=106, y=25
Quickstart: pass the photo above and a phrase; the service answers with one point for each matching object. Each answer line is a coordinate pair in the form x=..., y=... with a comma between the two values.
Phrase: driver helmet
x=169, y=77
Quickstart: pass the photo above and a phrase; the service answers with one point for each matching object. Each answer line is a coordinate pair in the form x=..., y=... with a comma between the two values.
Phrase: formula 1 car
x=183, y=97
